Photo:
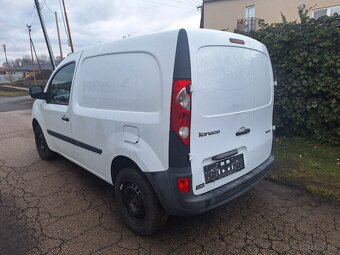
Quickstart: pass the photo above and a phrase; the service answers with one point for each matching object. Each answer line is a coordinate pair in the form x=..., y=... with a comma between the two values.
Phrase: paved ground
x=15, y=103
x=58, y=208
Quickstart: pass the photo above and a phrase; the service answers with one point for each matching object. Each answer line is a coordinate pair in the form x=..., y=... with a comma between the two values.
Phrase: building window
x=250, y=21
x=329, y=11
x=250, y=11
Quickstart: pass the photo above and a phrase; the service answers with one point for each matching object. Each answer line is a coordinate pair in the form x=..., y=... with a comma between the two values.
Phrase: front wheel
x=137, y=203
x=41, y=144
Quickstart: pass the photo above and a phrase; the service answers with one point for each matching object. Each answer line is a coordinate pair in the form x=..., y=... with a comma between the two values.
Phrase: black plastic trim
x=74, y=142
x=181, y=204
x=178, y=152
x=182, y=67
x=225, y=155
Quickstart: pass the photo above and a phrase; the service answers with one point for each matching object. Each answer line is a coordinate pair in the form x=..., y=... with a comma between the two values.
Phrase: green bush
x=306, y=63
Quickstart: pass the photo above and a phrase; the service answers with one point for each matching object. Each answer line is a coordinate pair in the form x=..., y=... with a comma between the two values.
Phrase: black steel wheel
x=41, y=144
x=133, y=202
x=137, y=202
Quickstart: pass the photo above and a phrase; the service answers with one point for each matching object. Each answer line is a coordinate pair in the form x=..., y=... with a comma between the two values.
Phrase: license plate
x=223, y=168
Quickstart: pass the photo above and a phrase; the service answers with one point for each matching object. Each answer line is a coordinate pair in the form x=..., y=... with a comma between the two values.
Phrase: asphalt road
x=58, y=208
x=15, y=103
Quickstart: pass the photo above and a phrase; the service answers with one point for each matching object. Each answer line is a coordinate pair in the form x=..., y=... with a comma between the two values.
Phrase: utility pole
x=60, y=49
x=35, y=53
x=8, y=67
x=33, y=69
x=32, y=45
x=70, y=43
x=48, y=44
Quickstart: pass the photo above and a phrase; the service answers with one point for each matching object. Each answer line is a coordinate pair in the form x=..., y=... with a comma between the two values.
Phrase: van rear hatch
x=231, y=121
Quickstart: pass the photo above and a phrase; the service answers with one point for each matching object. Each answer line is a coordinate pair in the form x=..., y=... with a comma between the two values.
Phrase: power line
x=21, y=30
x=183, y=2
x=16, y=34
x=45, y=4
x=166, y=4
x=28, y=20
x=34, y=19
x=19, y=39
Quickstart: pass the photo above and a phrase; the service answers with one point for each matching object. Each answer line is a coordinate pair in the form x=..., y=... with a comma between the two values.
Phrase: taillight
x=181, y=110
x=183, y=184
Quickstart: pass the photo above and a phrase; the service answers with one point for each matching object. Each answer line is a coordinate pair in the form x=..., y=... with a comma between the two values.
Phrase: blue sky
x=91, y=22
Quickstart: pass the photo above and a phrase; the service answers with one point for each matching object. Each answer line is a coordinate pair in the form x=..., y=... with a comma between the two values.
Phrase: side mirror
x=37, y=92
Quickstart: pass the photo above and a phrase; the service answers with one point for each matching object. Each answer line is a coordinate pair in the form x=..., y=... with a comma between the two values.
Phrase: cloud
x=91, y=22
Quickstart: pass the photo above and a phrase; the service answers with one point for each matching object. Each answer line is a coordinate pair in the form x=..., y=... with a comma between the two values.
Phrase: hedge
x=306, y=62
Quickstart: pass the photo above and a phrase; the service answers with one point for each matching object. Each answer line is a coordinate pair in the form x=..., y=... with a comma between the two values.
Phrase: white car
x=179, y=122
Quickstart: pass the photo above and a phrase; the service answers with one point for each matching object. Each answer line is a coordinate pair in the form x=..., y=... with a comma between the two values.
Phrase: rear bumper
x=177, y=203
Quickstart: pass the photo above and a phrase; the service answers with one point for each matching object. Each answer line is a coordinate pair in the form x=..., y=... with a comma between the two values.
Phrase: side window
x=60, y=85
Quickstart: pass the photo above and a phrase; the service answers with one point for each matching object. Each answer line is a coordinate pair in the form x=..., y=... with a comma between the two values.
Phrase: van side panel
x=122, y=95
x=132, y=83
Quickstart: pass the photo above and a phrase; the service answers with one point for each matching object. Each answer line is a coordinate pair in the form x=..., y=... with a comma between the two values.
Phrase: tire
x=44, y=151
x=137, y=203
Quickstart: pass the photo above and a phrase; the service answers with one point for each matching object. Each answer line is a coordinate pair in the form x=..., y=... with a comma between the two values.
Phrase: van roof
x=196, y=37
x=202, y=32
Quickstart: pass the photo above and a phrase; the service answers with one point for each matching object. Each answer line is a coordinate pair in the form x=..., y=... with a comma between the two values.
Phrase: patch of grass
x=28, y=83
x=11, y=92
x=313, y=166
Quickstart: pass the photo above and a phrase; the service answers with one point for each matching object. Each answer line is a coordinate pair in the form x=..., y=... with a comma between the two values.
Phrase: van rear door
x=232, y=105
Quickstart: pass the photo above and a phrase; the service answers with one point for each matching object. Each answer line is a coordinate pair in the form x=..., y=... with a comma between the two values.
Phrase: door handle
x=243, y=132
x=64, y=118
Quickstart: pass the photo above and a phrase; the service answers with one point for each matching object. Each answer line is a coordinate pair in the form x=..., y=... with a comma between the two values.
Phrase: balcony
x=247, y=25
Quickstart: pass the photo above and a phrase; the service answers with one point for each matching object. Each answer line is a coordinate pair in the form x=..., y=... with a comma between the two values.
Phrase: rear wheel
x=138, y=204
x=41, y=144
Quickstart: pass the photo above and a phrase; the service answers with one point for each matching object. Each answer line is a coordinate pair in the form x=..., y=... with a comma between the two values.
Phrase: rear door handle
x=243, y=132
x=64, y=118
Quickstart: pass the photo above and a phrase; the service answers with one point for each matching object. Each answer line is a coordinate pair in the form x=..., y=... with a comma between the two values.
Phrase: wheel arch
x=35, y=123
x=119, y=163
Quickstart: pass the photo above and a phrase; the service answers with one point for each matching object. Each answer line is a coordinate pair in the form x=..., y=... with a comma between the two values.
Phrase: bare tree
x=17, y=62
x=43, y=59
x=26, y=59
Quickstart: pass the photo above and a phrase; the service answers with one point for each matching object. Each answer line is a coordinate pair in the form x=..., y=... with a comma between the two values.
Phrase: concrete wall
x=223, y=14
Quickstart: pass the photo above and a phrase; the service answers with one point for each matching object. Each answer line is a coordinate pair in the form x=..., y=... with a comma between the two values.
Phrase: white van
x=179, y=122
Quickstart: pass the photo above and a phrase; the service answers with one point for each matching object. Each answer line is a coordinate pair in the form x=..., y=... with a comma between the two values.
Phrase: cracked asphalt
x=58, y=208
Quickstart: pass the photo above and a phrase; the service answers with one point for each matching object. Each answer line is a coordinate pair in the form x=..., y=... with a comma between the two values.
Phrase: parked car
x=179, y=122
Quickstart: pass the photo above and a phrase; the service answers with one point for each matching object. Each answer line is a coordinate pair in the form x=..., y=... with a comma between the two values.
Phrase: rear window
x=233, y=79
